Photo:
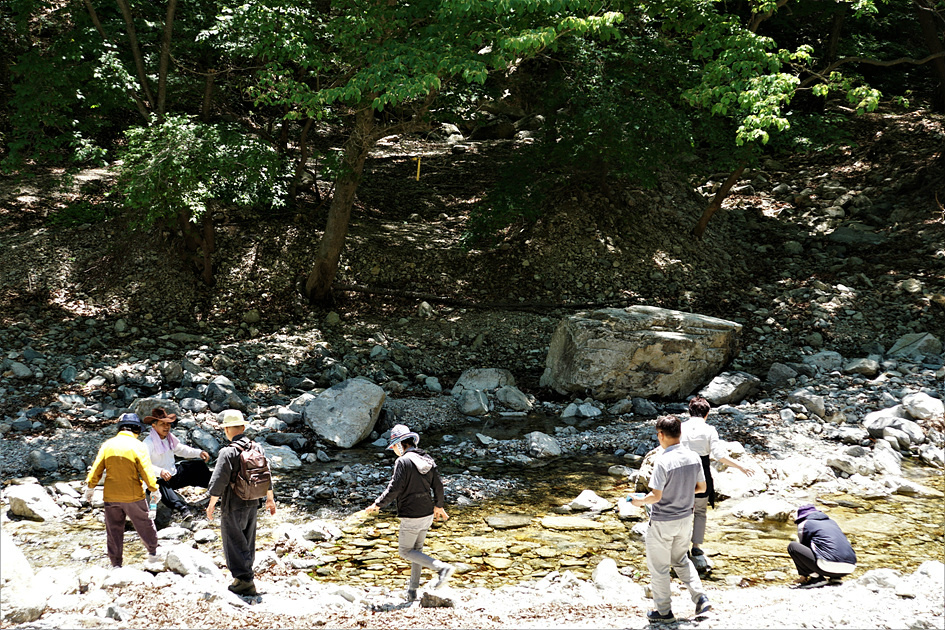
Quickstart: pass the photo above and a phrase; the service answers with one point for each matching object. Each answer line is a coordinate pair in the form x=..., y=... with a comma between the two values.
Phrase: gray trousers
x=238, y=530
x=413, y=531
x=698, y=520
x=667, y=544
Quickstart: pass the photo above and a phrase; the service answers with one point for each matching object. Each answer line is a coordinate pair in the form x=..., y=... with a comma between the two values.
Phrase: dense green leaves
x=181, y=167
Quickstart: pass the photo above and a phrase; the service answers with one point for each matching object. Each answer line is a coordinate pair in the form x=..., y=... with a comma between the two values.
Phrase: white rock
x=345, y=414
x=15, y=569
x=485, y=379
x=32, y=501
x=590, y=500
x=539, y=444
x=923, y=407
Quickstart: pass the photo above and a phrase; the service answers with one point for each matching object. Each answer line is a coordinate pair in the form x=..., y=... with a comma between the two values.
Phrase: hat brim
x=169, y=418
x=406, y=436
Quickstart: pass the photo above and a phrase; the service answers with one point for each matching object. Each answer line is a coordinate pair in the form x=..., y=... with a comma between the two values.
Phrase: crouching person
x=823, y=554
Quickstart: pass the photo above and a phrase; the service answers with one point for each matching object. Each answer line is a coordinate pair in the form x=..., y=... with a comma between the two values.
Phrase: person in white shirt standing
x=703, y=439
x=164, y=447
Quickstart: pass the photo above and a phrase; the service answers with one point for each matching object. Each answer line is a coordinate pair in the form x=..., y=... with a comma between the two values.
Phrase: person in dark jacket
x=415, y=475
x=237, y=517
x=823, y=552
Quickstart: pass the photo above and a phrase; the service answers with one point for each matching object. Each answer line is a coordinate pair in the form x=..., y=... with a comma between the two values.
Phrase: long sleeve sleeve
x=439, y=497
x=222, y=473
x=98, y=467
x=396, y=486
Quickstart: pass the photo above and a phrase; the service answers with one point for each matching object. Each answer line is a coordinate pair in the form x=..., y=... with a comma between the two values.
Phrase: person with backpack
x=239, y=481
x=415, y=475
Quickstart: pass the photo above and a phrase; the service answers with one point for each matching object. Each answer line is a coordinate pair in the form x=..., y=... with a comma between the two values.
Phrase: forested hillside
x=299, y=118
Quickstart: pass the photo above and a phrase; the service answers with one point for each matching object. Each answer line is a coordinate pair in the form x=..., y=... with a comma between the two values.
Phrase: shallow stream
x=899, y=532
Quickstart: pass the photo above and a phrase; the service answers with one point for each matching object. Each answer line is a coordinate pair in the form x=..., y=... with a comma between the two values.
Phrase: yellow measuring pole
x=418, y=166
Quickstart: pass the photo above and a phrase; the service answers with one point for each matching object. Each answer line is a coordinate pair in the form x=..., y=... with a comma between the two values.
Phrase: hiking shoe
x=445, y=574
x=655, y=617
x=186, y=514
x=703, y=605
x=696, y=551
x=813, y=582
x=411, y=594
x=246, y=588
x=834, y=581
x=154, y=563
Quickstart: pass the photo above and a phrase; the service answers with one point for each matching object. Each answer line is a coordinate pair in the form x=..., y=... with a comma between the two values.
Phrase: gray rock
x=19, y=370
x=185, y=560
x=43, y=462
x=288, y=415
x=508, y=521
x=826, y=360
x=483, y=379
x=33, y=502
x=15, y=569
x=432, y=384
x=916, y=344
x=472, y=402
x=346, y=413
x=194, y=405
x=643, y=407
x=436, y=600
x=538, y=444
x=144, y=406
x=864, y=367
x=205, y=442
x=68, y=374
x=638, y=351
x=583, y=410
x=730, y=387
x=513, y=398
x=812, y=402
x=280, y=457
x=283, y=439
x=852, y=236
x=924, y=407
x=621, y=407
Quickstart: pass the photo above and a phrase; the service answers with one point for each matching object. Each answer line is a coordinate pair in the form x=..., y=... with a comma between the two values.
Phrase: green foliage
x=181, y=166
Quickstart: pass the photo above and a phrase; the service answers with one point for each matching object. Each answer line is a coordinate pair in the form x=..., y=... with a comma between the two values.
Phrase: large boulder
x=915, y=345
x=638, y=351
x=15, y=569
x=345, y=414
x=33, y=502
x=280, y=457
x=922, y=406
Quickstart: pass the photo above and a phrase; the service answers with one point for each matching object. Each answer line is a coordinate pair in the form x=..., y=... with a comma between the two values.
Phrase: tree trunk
x=300, y=166
x=136, y=51
x=142, y=109
x=716, y=203
x=207, y=97
x=199, y=244
x=319, y=281
x=836, y=27
x=165, y=57
x=931, y=32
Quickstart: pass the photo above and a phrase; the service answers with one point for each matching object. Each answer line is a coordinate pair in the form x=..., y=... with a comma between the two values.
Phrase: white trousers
x=413, y=531
x=667, y=544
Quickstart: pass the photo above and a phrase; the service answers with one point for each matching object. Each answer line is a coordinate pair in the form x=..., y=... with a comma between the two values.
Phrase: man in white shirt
x=171, y=475
x=703, y=439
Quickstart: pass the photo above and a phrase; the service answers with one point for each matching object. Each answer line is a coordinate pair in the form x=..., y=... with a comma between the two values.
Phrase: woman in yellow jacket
x=127, y=464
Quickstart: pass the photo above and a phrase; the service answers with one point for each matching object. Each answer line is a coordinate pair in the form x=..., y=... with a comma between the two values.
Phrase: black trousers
x=238, y=530
x=190, y=472
x=806, y=562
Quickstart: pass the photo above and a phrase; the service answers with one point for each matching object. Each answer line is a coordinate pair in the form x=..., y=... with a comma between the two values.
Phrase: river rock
x=144, y=406
x=877, y=579
x=643, y=407
x=730, y=387
x=734, y=484
x=916, y=345
x=438, y=599
x=864, y=367
x=205, y=441
x=569, y=523
x=801, y=471
x=638, y=351
x=184, y=560
x=851, y=465
x=628, y=511
x=483, y=379
x=826, y=361
x=32, y=501
x=924, y=407
x=23, y=604
x=513, y=398
x=764, y=508
x=15, y=569
x=590, y=500
x=538, y=444
x=779, y=374
x=508, y=521
x=318, y=531
x=43, y=462
x=472, y=402
x=346, y=413
x=280, y=457
x=583, y=410
x=812, y=402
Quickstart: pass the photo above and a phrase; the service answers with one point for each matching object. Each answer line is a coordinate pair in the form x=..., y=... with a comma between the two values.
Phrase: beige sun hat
x=232, y=418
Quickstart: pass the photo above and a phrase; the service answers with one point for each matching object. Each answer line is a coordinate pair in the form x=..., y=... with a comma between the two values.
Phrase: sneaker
x=186, y=514
x=834, y=581
x=696, y=551
x=703, y=605
x=813, y=582
x=411, y=594
x=154, y=563
x=655, y=617
x=445, y=574
x=246, y=588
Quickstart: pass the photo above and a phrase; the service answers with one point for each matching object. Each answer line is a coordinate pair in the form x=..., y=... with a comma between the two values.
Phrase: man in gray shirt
x=677, y=477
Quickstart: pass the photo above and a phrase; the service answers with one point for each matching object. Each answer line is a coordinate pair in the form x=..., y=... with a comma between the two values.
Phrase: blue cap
x=130, y=421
